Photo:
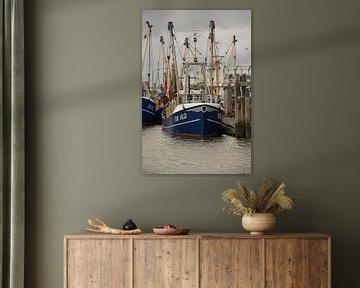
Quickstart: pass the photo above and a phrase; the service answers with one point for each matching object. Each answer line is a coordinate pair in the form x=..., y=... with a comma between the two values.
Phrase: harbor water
x=164, y=154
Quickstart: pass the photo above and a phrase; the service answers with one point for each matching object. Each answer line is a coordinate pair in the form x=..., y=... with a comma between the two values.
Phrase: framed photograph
x=196, y=91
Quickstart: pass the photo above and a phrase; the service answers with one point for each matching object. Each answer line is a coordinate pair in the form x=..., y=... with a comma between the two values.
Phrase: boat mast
x=185, y=71
x=165, y=68
x=234, y=50
x=149, y=49
x=174, y=63
x=185, y=55
x=217, y=68
x=212, y=49
x=230, y=63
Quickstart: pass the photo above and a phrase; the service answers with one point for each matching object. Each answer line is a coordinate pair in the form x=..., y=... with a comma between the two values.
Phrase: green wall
x=84, y=140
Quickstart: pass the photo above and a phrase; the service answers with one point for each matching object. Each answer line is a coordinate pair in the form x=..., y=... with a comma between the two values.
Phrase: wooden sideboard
x=197, y=260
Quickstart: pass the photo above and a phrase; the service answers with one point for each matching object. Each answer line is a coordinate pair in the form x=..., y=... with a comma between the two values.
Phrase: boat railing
x=196, y=98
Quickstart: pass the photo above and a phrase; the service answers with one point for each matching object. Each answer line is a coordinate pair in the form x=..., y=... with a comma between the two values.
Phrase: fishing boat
x=192, y=111
x=149, y=116
x=151, y=113
x=196, y=113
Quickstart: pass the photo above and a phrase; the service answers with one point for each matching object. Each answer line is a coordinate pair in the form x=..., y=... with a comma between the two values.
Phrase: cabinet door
x=231, y=263
x=287, y=263
x=98, y=263
x=320, y=263
x=166, y=263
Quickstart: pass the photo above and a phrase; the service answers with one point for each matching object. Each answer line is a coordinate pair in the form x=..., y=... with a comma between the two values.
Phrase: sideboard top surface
x=87, y=235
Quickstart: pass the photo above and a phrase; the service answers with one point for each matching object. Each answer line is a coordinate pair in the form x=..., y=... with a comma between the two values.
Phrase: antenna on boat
x=195, y=39
x=186, y=42
x=195, y=49
x=171, y=28
x=187, y=48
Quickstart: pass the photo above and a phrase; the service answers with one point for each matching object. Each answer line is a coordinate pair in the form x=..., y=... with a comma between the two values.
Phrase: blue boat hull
x=200, y=121
x=158, y=116
x=149, y=116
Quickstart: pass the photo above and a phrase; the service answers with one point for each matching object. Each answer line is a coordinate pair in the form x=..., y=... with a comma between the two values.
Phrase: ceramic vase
x=259, y=223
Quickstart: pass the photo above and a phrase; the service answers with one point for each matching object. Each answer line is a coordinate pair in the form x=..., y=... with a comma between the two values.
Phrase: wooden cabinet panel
x=165, y=263
x=98, y=264
x=231, y=263
x=319, y=263
x=287, y=263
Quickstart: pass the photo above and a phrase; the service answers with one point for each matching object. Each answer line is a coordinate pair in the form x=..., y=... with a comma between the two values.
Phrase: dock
x=237, y=108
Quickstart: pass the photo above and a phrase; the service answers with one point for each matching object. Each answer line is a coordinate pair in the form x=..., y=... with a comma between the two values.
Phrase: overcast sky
x=186, y=22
